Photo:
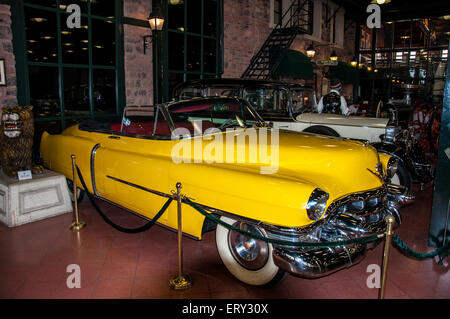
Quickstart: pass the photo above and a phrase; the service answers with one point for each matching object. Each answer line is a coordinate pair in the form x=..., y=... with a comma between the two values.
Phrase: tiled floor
x=34, y=258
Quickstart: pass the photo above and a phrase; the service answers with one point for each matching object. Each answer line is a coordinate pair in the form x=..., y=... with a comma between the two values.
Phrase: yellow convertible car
x=291, y=186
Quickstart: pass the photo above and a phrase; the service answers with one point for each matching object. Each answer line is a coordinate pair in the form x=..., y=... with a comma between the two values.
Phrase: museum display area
x=224, y=150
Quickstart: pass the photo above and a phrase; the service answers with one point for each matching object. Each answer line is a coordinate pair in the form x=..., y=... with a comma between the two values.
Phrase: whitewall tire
x=402, y=177
x=249, y=260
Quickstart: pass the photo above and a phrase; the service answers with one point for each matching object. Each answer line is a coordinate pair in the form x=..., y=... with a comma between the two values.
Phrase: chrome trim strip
x=93, y=153
x=140, y=187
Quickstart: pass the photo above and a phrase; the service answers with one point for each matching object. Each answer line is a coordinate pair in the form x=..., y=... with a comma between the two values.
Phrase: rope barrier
x=118, y=227
x=442, y=252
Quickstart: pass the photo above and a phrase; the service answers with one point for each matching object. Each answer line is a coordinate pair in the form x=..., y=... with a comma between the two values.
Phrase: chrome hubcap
x=250, y=253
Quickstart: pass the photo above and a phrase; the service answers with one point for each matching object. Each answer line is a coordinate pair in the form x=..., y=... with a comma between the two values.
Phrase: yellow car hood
x=336, y=165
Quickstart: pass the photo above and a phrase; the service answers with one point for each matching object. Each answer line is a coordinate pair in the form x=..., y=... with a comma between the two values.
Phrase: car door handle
x=114, y=137
x=283, y=126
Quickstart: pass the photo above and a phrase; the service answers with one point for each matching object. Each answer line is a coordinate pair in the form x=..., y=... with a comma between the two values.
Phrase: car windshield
x=198, y=115
x=143, y=121
x=210, y=91
x=303, y=101
x=268, y=99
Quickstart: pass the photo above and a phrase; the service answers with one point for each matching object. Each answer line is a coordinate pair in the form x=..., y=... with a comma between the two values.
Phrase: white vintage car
x=339, y=125
x=292, y=106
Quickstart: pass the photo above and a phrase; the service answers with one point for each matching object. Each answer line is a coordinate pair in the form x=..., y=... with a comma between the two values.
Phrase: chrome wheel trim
x=250, y=253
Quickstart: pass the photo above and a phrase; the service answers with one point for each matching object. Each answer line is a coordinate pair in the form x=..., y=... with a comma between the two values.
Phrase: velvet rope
x=118, y=227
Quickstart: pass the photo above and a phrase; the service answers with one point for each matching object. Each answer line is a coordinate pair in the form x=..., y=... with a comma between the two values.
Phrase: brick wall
x=138, y=66
x=8, y=94
x=246, y=27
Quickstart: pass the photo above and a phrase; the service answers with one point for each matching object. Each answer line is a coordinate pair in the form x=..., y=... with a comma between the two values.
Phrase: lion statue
x=16, y=140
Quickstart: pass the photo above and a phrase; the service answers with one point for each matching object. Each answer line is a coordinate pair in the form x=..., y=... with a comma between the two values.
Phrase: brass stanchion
x=180, y=282
x=390, y=220
x=76, y=225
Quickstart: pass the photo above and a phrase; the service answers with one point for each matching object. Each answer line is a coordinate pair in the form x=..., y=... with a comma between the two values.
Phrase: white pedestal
x=21, y=202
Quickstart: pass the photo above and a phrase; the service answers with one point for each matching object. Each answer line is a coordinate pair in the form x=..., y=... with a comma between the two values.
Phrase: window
x=71, y=73
x=339, y=27
x=277, y=11
x=317, y=20
x=192, y=40
x=336, y=24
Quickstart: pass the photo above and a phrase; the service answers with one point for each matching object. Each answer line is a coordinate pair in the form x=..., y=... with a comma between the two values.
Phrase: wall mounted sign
x=327, y=63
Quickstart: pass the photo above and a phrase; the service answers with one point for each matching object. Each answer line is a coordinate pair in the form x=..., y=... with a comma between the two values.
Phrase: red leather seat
x=146, y=128
x=143, y=128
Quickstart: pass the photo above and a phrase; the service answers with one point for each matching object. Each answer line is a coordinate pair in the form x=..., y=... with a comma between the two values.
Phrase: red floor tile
x=113, y=288
x=152, y=268
x=151, y=287
x=10, y=288
x=117, y=270
x=38, y=290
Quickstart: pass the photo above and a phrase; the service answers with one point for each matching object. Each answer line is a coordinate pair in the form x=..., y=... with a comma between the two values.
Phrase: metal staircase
x=298, y=19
